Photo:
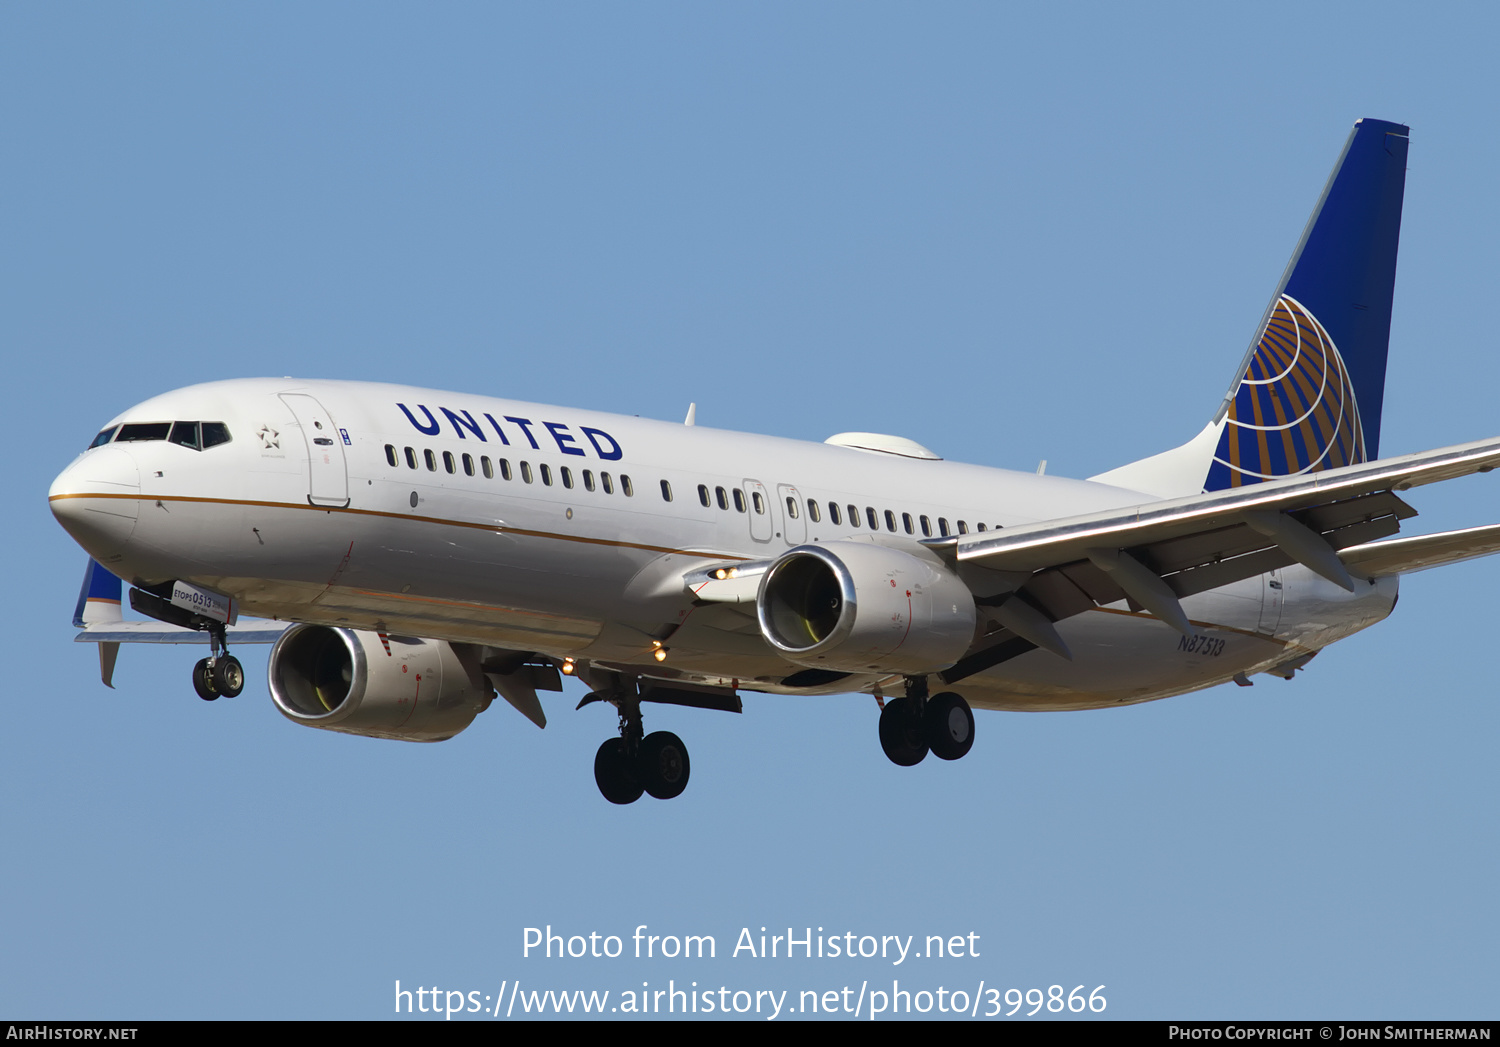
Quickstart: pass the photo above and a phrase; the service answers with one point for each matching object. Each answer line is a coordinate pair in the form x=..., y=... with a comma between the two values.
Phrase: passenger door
x=327, y=473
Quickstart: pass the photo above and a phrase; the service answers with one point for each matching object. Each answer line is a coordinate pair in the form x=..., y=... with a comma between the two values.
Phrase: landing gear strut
x=636, y=762
x=221, y=672
x=910, y=727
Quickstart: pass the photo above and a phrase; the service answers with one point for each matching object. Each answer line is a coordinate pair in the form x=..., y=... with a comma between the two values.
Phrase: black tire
x=615, y=774
x=203, y=681
x=950, y=726
x=229, y=676
x=901, y=734
x=664, y=765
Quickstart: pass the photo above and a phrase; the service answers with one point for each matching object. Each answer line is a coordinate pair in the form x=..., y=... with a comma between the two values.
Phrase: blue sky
x=1009, y=233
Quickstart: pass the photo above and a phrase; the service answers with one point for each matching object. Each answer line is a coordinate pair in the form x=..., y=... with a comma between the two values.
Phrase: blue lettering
x=466, y=422
x=563, y=438
x=614, y=454
x=431, y=428
x=498, y=431
x=525, y=424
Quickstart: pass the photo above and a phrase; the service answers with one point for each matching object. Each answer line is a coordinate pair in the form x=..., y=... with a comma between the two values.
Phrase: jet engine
x=858, y=607
x=381, y=687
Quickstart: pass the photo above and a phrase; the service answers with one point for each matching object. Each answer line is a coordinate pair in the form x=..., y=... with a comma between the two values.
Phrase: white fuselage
x=550, y=561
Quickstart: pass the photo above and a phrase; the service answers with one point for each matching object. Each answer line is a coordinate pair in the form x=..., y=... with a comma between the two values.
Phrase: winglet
x=99, y=604
x=99, y=598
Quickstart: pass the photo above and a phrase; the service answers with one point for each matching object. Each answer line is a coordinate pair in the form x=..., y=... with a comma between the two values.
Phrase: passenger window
x=980, y=527
x=431, y=460
x=546, y=473
x=890, y=521
x=607, y=483
x=505, y=468
x=216, y=433
x=390, y=455
x=812, y=511
x=963, y=528
x=703, y=496
x=906, y=523
x=411, y=458
x=567, y=477
x=487, y=466
x=833, y=513
x=666, y=491
x=588, y=479
x=872, y=518
x=739, y=500
x=468, y=465
x=722, y=498
x=103, y=438
x=759, y=503
x=526, y=471
x=927, y=527
x=853, y=516
x=625, y=488
x=448, y=462
x=791, y=507
x=943, y=526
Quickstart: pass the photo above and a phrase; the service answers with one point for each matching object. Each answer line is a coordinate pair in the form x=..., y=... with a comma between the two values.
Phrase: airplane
x=413, y=553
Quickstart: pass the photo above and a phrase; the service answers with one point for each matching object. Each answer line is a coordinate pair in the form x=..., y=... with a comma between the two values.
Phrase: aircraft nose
x=96, y=499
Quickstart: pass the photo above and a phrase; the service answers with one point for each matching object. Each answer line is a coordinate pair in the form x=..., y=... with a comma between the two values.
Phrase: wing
x=1156, y=553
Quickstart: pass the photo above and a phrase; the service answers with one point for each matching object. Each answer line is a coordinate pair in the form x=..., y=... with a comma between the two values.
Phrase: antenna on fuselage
x=692, y=415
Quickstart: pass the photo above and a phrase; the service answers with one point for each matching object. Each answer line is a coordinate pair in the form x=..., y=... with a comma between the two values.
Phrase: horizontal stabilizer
x=1418, y=553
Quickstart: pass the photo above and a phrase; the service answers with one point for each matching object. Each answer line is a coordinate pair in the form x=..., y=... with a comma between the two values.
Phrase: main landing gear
x=910, y=727
x=221, y=672
x=636, y=762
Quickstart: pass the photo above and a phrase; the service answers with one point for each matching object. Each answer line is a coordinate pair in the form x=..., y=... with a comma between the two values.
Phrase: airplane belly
x=1122, y=657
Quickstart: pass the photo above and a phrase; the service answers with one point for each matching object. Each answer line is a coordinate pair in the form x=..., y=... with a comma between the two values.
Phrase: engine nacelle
x=858, y=607
x=345, y=680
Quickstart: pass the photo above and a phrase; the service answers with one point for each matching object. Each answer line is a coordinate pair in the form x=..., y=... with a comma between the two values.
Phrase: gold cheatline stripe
x=494, y=528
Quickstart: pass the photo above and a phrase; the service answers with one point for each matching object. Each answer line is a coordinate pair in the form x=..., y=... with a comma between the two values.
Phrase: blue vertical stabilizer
x=1310, y=391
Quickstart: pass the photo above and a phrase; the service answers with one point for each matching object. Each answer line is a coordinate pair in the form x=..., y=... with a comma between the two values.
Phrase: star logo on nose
x=269, y=437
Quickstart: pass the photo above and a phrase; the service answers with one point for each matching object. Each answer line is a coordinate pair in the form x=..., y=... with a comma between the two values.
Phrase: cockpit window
x=185, y=434
x=195, y=435
x=104, y=437
x=144, y=431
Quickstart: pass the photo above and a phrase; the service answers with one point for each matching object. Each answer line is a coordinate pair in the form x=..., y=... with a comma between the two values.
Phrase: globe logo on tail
x=1294, y=411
